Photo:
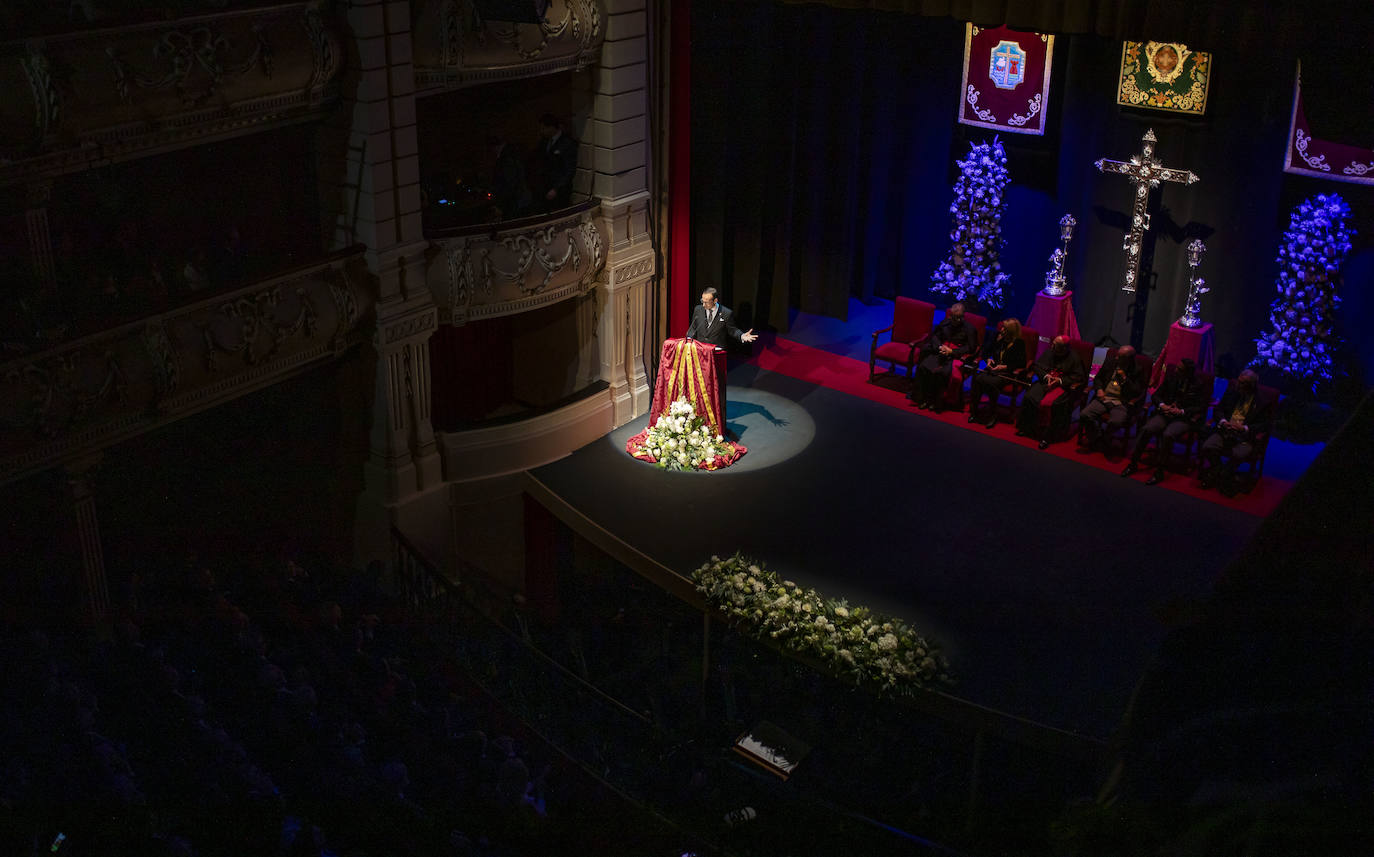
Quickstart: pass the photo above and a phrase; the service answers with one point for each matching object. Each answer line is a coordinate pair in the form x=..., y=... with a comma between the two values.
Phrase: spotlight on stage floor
x=774, y=428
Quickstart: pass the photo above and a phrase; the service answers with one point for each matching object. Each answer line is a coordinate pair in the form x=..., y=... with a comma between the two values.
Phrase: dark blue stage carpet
x=1047, y=583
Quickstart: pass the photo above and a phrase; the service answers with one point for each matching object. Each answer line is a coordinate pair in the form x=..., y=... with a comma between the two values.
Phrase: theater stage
x=1048, y=582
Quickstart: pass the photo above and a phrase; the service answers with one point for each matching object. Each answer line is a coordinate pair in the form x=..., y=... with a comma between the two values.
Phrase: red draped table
x=692, y=370
x=1195, y=343
x=1051, y=317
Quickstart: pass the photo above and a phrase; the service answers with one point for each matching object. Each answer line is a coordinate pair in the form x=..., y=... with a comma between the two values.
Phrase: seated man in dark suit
x=1179, y=404
x=951, y=339
x=1117, y=384
x=1059, y=374
x=1238, y=418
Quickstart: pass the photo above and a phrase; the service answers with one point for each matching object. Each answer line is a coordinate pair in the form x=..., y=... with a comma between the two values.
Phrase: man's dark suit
x=558, y=162
x=719, y=332
x=1235, y=444
x=1072, y=376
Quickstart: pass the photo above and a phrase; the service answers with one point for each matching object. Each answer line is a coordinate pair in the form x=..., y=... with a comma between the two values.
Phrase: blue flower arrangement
x=972, y=270
x=1302, y=339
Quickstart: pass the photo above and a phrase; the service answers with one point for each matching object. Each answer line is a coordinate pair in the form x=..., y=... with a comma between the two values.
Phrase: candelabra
x=1197, y=286
x=1054, y=280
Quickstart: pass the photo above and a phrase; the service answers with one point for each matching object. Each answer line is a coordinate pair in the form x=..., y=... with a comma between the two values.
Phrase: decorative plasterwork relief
x=455, y=46
x=99, y=95
x=634, y=270
x=89, y=393
x=504, y=273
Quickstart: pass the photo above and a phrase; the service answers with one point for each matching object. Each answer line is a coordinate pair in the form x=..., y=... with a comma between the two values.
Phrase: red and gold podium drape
x=691, y=370
x=695, y=371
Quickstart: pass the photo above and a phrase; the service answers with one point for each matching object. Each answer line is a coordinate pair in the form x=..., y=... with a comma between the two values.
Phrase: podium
x=692, y=370
x=1195, y=343
x=1052, y=316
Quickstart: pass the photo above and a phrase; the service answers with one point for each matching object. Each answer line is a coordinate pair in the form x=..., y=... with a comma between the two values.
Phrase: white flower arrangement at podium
x=681, y=440
x=857, y=643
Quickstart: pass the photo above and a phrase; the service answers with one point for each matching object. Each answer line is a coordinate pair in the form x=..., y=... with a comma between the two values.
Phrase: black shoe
x=1130, y=468
x=972, y=417
x=1022, y=433
x=1155, y=478
x=990, y=424
x=1044, y=444
x=937, y=408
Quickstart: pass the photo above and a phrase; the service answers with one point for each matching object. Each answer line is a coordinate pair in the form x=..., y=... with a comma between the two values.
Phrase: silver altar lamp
x=1054, y=280
x=1197, y=286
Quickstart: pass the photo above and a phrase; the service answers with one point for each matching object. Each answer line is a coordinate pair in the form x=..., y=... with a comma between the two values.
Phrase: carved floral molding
x=454, y=46
x=514, y=271
x=80, y=99
x=92, y=392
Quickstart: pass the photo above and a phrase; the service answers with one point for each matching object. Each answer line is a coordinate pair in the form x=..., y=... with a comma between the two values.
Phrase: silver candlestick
x=1054, y=280
x=1197, y=286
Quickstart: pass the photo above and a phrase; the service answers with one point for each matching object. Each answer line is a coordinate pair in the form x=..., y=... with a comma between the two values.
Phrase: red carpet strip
x=847, y=375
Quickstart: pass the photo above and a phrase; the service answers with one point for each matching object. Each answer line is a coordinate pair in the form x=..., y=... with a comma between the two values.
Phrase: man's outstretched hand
x=748, y=337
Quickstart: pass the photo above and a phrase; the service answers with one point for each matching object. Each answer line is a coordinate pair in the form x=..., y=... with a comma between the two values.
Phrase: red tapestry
x=1006, y=82
x=1326, y=159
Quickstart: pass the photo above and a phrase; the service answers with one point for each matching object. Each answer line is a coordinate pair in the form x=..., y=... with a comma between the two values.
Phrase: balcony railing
x=82, y=99
x=454, y=47
x=88, y=393
x=512, y=267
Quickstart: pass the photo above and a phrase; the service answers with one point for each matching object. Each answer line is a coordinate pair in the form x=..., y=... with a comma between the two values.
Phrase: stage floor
x=1047, y=583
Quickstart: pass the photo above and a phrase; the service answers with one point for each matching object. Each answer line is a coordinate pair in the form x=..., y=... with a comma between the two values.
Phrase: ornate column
x=37, y=198
x=612, y=337
x=370, y=179
x=618, y=168
x=403, y=457
x=94, y=583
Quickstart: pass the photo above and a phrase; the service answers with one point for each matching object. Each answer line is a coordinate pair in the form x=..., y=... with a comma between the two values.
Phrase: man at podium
x=714, y=324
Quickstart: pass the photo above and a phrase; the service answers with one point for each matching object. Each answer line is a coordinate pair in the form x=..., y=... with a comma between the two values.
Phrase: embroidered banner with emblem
x=1006, y=82
x=1310, y=155
x=1164, y=76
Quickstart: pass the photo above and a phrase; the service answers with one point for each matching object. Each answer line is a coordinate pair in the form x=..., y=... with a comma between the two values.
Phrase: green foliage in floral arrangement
x=857, y=643
x=681, y=440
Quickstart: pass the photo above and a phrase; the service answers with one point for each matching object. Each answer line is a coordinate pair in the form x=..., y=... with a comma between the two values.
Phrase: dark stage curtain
x=816, y=158
x=824, y=143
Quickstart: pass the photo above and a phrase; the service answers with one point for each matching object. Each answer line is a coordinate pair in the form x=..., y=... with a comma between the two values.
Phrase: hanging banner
x=1310, y=156
x=1006, y=82
x=1164, y=76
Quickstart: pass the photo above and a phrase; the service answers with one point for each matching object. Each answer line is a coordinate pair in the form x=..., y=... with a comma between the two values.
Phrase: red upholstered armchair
x=965, y=367
x=912, y=321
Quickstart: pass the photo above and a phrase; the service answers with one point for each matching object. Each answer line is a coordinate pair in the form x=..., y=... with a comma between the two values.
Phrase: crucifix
x=1145, y=171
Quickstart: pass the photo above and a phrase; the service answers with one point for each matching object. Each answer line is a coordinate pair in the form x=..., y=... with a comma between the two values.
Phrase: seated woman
x=1003, y=356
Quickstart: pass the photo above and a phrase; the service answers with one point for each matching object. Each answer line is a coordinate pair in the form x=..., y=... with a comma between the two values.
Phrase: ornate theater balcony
x=499, y=269
x=87, y=394
x=77, y=100
x=455, y=47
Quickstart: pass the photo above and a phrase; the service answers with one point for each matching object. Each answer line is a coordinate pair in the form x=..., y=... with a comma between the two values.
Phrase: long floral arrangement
x=856, y=642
